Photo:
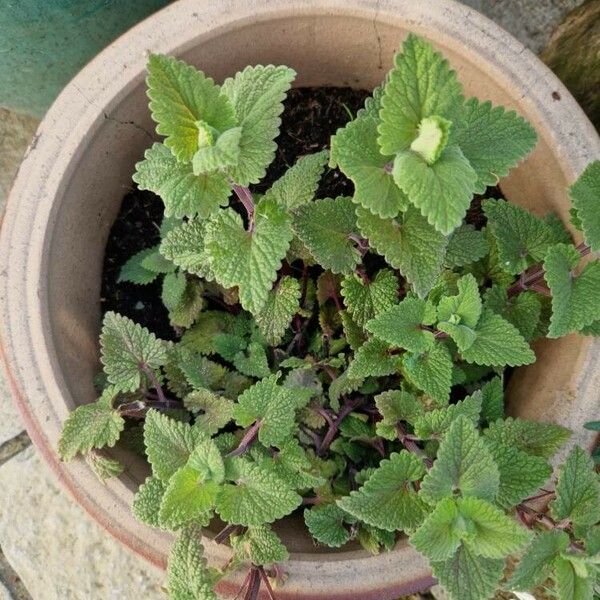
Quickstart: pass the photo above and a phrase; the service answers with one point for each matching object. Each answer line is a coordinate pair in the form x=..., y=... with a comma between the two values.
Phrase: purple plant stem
x=139, y=407
x=411, y=445
x=247, y=440
x=344, y=412
x=245, y=197
x=267, y=583
x=225, y=533
x=155, y=383
x=253, y=585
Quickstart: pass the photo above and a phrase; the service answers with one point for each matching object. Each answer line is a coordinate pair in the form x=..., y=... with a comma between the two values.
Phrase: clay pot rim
x=500, y=51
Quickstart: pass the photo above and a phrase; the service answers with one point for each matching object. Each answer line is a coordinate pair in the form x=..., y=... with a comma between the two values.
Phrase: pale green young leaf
x=465, y=307
x=373, y=359
x=255, y=496
x=298, y=185
x=183, y=193
x=431, y=372
x=574, y=298
x=147, y=500
x=95, y=425
x=187, y=498
x=134, y=272
x=271, y=404
x=466, y=245
x=522, y=238
x=214, y=411
x=585, y=193
x=366, y=300
x=497, y=343
x=354, y=149
x=328, y=524
x=571, y=585
x=434, y=423
x=220, y=155
x=420, y=85
x=259, y=546
x=442, y=191
x=282, y=304
x=492, y=139
x=184, y=245
x=157, y=263
x=388, y=500
x=396, y=406
x=207, y=461
x=325, y=227
x=536, y=564
x=408, y=243
x=180, y=96
x=127, y=348
x=249, y=259
x=257, y=94
x=577, y=490
x=403, y=325
x=189, y=577
x=169, y=443
x=521, y=474
x=463, y=463
x=467, y=576
x=536, y=438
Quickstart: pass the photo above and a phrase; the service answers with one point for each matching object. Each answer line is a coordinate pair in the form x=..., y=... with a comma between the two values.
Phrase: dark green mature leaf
x=259, y=546
x=585, y=193
x=466, y=245
x=325, y=227
x=135, y=272
x=328, y=524
x=373, y=359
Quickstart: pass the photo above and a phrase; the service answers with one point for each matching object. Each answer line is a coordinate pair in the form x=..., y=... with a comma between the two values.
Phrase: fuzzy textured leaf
x=431, y=372
x=585, y=193
x=282, y=304
x=327, y=524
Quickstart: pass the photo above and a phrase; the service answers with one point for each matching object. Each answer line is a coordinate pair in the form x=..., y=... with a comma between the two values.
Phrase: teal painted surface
x=43, y=43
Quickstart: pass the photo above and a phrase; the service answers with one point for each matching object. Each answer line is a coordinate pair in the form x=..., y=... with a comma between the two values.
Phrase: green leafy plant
x=345, y=356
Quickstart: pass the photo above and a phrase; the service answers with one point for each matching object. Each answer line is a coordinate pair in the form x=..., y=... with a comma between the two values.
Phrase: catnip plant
x=345, y=357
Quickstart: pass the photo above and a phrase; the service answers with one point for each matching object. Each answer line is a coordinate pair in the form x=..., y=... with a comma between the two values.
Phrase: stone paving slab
x=57, y=550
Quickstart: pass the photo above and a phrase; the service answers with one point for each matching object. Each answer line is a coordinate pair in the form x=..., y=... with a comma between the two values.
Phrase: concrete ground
x=50, y=549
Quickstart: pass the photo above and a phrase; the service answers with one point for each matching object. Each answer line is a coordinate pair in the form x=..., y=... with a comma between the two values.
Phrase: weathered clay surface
x=58, y=551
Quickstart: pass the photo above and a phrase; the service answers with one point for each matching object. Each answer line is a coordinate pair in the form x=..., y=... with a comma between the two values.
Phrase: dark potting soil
x=310, y=117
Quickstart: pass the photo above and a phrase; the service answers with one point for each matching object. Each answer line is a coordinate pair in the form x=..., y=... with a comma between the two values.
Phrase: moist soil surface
x=310, y=117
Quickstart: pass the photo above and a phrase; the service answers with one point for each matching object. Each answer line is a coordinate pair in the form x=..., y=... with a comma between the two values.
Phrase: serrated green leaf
x=180, y=96
x=255, y=497
x=219, y=154
x=570, y=585
x=156, y=262
x=355, y=335
x=408, y=243
x=183, y=193
x=214, y=411
x=538, y=439
x=256, y=94
x=366, y=300
x=466, y=245
x=492, y=139
x=434, y=423
x=420, y=85
x=492, y=400
x=104, y=468
x=388, y=500
x=328, y=524
x=249, y=259
x=577, y=490
x=147, y=500
x=201, y=337
x=522, y=238
x=126, y=348
x=497, y=343
x=585, y=193
x=395, y=406
x=430, y=371
x=373, y=359
x=169, y=443
x=183, y=298
x=442, y=191
x=574, y=298
x=298, y=185
x=95, y=425
x=271, y=404
x=523, y=310
x=324, y=226
x=134, y=272
x=252, y=361
x=403, y=325
x=467, y=576
x=536, y=564
x=184, y=245
x=189, y=577
x=463, y=463
x=259, y=546
x=355, y=150
x=282, y=304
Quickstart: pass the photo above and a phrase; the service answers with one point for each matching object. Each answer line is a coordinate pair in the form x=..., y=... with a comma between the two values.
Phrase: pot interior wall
x=324, y=51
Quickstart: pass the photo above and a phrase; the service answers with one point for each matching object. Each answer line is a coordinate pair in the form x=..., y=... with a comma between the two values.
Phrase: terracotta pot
x=70, y=185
